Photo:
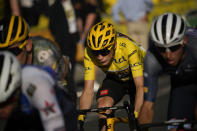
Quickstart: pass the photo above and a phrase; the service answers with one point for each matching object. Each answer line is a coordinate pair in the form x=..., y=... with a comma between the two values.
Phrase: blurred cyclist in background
x=121, y=60
x=37, y=51
x=174, y=52
x=27, y=98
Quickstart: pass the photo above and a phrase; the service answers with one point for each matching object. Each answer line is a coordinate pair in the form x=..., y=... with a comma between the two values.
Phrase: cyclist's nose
x=168, y=54
x=99, y=57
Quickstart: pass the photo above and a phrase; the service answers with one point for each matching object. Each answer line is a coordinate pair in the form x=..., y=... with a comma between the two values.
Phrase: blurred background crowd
x=55, y=18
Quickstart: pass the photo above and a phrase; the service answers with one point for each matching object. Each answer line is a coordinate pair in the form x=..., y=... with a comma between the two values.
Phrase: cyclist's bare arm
x=147, y=112
x=67, y=66
x=152, y=68
x=87, y=95
x=139, y=92
x=14, y=5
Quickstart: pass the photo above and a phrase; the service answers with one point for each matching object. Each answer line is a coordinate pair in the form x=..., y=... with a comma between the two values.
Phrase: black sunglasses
x=15, y=50
x=172, y=48
x=103, y=52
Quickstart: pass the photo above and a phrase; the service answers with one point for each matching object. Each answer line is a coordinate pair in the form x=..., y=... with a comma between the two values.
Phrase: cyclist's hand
x=81, y=118
x=136, y=114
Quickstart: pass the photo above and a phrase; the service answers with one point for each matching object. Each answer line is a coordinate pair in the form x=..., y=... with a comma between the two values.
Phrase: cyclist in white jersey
x=14, y=37
x=36, y=96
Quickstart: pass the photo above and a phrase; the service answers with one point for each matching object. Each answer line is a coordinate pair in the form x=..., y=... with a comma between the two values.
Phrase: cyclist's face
x=105, y=59
x=21, y=54
x=173, y=57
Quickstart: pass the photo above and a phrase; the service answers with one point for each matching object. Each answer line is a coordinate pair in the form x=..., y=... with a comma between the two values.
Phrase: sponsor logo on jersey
x=120, y=60
x=49, y=108
x=145, y=89
x=104, y=92
x=136, y=64
x=123, y=44
x=88, y=68
x=31, y=89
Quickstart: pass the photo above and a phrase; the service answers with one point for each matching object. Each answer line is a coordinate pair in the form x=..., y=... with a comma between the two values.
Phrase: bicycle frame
x=133, y=125
x=111, y=120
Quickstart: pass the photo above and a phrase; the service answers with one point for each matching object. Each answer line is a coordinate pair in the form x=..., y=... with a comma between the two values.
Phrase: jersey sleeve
x=40, y=93
x=152, y=68
x=191, y=42
x=89, y=67
x=135, y=59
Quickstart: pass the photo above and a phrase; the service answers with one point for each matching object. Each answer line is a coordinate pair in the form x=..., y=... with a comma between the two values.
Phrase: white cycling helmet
x=10, y=75
x=168, y=30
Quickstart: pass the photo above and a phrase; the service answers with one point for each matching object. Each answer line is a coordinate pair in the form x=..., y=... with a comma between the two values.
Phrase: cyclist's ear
x=29, y=45
x=184, y=40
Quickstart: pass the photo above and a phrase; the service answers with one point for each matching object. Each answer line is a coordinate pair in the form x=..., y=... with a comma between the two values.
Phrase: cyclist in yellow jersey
x=122, y=61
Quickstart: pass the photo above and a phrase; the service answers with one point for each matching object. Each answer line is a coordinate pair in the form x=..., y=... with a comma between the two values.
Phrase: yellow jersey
x=127, y=61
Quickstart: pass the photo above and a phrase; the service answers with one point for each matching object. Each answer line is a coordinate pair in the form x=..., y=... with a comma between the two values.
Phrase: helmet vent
x=155, y=30
x=1, y=63
x=10, y=74
x=107, y=33
x=173, y=25
x=9, y=81
x=99, y=39
x=102, y=27
x=101, y=23
x=15, y=28
x=177, y=40
x=89, y=43
x=112, y=39
x=93, y=40
x=182, y=27
x=109, y=25
x=22, y=29
x=164, y=21
x=105, y=42
x=95, y=28
x=2, y=38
